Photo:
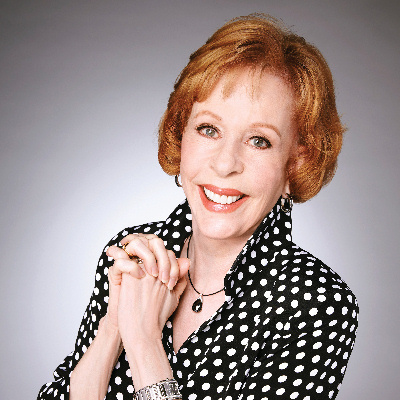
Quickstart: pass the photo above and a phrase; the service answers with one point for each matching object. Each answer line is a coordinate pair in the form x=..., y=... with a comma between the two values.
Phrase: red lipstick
x=221, y=208
x=222, y=191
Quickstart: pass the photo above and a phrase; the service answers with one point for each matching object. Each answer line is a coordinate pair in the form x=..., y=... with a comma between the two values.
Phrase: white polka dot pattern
x=286, y=329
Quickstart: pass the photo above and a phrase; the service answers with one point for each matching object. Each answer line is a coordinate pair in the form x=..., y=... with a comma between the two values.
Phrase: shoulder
x=150, y=227
x=306, y=283
x=100, y=291
x=105, y=262
x=314, y=276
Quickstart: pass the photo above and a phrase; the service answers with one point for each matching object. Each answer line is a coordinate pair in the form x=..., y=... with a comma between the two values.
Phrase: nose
x=227, y=158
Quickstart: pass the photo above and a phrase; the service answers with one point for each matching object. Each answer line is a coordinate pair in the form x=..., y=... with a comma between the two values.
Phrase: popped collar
x=275, y=228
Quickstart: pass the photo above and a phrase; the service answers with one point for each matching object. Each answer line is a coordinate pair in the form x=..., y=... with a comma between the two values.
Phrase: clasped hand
x=143, y=296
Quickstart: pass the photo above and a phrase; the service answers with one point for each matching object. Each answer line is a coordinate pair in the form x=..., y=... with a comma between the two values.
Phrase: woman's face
x=234, y=153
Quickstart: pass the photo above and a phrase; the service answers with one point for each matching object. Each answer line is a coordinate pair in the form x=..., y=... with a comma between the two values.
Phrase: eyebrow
x=268, y=126
x=255, y=125
x=211, y=114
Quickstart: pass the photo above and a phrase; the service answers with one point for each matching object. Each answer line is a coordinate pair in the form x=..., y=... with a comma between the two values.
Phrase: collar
x=262, y=248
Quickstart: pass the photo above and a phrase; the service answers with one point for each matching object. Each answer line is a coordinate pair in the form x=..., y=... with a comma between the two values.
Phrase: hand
x=145, y=306
x=157, y=260
x=122, y=264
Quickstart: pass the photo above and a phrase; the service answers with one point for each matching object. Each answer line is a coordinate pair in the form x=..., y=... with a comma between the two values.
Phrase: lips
x=221, y=200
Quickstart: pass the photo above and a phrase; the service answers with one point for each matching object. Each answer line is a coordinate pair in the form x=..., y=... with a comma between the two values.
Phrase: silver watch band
x=163, y=390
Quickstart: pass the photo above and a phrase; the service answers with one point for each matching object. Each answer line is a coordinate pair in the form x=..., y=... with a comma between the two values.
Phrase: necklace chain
x=201, y=294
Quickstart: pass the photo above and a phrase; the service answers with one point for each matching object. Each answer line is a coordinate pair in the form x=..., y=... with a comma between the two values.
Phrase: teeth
x=216, y=198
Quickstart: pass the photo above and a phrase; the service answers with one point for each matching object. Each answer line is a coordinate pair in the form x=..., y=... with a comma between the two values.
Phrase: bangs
x=232, y=77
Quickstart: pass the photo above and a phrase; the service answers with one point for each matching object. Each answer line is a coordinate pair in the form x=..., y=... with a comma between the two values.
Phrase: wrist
x=142, y=348
x=139, y=336
x=148, y=362
x=91, y=376
x=167, y=389
x=109, y=330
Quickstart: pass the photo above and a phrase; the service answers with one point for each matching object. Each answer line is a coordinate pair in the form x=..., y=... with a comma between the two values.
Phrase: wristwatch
x=163, y=390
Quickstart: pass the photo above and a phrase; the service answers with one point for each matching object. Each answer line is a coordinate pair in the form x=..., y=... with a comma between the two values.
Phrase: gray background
x=82, y=87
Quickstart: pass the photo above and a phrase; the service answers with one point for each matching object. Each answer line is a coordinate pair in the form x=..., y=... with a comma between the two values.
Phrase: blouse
x=285, y=330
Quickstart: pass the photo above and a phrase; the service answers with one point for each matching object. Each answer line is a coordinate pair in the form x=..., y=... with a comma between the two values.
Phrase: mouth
x=221, y=200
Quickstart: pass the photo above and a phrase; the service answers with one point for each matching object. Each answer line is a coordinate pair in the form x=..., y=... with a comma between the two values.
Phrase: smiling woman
x=237, y=144
x=217, y=302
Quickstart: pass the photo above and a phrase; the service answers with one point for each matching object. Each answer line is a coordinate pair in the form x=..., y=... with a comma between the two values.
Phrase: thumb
x=184, y=264
x=180, y=287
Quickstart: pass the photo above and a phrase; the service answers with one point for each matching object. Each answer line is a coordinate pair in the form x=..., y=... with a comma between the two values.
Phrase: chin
x=221, y=227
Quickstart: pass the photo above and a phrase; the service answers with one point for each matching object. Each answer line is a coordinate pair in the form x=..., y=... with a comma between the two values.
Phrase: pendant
x=198, y=304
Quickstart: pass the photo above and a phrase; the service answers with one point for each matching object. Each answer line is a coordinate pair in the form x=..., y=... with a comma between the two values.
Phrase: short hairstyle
x=261, y=42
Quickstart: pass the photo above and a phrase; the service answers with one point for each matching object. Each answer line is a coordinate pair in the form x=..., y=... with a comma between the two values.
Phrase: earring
x=177, y=183
x=287, y=203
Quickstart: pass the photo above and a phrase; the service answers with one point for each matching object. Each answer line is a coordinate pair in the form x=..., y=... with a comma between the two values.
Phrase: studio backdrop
x=83, y=86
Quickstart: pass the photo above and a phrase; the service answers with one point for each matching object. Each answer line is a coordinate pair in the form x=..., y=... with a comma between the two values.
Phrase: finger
x=143, y=236
x=174, y=270
x=128, y=238
x=156, y=245
x=184, y=265
x=121, y=266
x=116, y=252
x=139, y=247
x=180, y=287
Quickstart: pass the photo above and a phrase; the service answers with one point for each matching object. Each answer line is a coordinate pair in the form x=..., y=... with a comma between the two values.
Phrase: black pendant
x=198, y=304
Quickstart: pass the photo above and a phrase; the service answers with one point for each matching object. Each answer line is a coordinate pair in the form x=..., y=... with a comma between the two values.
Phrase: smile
x=219, y=200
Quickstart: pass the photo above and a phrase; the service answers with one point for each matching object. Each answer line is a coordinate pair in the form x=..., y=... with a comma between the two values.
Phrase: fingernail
x=171, y=283
x=164, y=277
x=154, y=272
x=142, y=274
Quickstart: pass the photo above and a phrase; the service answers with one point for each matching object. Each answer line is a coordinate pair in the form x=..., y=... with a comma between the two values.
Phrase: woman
x=217, y=302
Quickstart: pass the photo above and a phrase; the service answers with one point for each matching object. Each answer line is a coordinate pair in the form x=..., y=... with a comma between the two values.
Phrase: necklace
x=198, y=303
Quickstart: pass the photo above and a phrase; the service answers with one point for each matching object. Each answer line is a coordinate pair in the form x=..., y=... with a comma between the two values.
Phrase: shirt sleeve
x=96, y=309
x=307, y=356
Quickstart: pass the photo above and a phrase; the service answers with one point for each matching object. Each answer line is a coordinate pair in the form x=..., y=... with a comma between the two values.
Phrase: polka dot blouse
x=285, y=331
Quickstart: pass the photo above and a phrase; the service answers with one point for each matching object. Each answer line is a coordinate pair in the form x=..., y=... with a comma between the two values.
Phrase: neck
x=211, y=259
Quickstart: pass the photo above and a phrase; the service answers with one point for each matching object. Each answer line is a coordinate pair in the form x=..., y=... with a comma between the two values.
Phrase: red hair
x=261, y=42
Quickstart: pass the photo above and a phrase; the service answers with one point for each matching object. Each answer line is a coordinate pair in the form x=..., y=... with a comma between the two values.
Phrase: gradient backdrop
x=82, y=87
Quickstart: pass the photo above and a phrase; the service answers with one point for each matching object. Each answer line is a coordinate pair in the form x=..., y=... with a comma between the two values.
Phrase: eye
x=260, y=142
x=208, y=130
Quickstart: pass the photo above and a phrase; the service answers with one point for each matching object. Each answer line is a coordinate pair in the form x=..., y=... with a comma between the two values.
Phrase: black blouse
x=285, y=331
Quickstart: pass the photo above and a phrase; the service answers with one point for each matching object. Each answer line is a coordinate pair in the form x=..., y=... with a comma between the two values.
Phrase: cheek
x=193, y=153
x=185, y=151
x=268, y=177
x=188, y=157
